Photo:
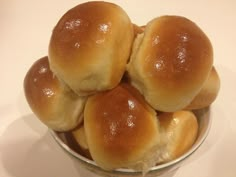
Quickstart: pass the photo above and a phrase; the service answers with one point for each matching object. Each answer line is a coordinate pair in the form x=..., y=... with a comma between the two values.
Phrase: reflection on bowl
x=66, y=144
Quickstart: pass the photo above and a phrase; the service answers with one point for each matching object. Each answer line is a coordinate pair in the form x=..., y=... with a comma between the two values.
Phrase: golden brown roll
x=170, y=62
x=77, y=140
x=180, y=131
x=208, y=92
x=138, y=29
x=80, y=137
x=90, y=46
x=121, y=128
x=54, y=104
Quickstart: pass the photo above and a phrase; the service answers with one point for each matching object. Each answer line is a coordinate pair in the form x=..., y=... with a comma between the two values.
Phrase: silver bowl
x=204, y=120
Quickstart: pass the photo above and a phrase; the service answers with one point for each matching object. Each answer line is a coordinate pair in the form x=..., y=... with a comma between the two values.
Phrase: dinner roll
x=121, y=128
x=208, y=92
x=90, y=46
x=138, y=29
x=180, y=131
x=170, y=62
x=54, y=104
x=77, y=140
x=80, y=137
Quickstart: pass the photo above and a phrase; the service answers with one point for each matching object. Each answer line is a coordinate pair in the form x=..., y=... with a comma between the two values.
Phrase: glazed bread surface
x=180, y=130
x=170, y=62
x=55, y=105
x=121, y=128
x=90, y=46
x=208, y=92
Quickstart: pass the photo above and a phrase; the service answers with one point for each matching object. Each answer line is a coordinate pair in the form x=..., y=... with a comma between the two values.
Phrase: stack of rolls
x=124, y=92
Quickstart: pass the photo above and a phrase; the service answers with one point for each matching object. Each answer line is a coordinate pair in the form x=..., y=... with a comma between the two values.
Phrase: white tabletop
x=26, y=147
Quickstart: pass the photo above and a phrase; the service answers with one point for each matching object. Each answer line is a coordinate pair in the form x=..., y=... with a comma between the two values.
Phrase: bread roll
x=80, y=137
x=121, y=128
x=55, y=105
x=138, y=29
x=77, y=140
x=170, y=62
x=90, y=46
x=208, y=92
x=180, y=131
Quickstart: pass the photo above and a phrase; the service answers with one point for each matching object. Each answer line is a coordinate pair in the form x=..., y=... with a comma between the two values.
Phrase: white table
x=26, y=147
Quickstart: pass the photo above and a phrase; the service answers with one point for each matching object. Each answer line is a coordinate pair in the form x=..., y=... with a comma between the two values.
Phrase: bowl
x=204, y=120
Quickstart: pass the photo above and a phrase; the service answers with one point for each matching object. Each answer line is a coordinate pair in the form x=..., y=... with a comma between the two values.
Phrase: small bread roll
x=180, y=131
x=208, y=92
x=90, y=46
x=138, y=29
x=80, y=137
x=77, y=140
x=121, y=128
x=170, y=62
x=55, y=105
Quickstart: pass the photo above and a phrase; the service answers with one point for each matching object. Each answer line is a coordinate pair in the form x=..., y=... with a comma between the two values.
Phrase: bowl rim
x=159, y=167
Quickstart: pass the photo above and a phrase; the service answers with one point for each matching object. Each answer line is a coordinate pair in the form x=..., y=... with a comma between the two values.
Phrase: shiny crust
x=208, y=93
x=55, y=105
x=90, y=46
x=180, y=131
x=170, y=62
x=120, y=127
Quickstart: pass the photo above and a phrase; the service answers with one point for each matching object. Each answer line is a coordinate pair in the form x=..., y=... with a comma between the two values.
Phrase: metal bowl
x=204, y=120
